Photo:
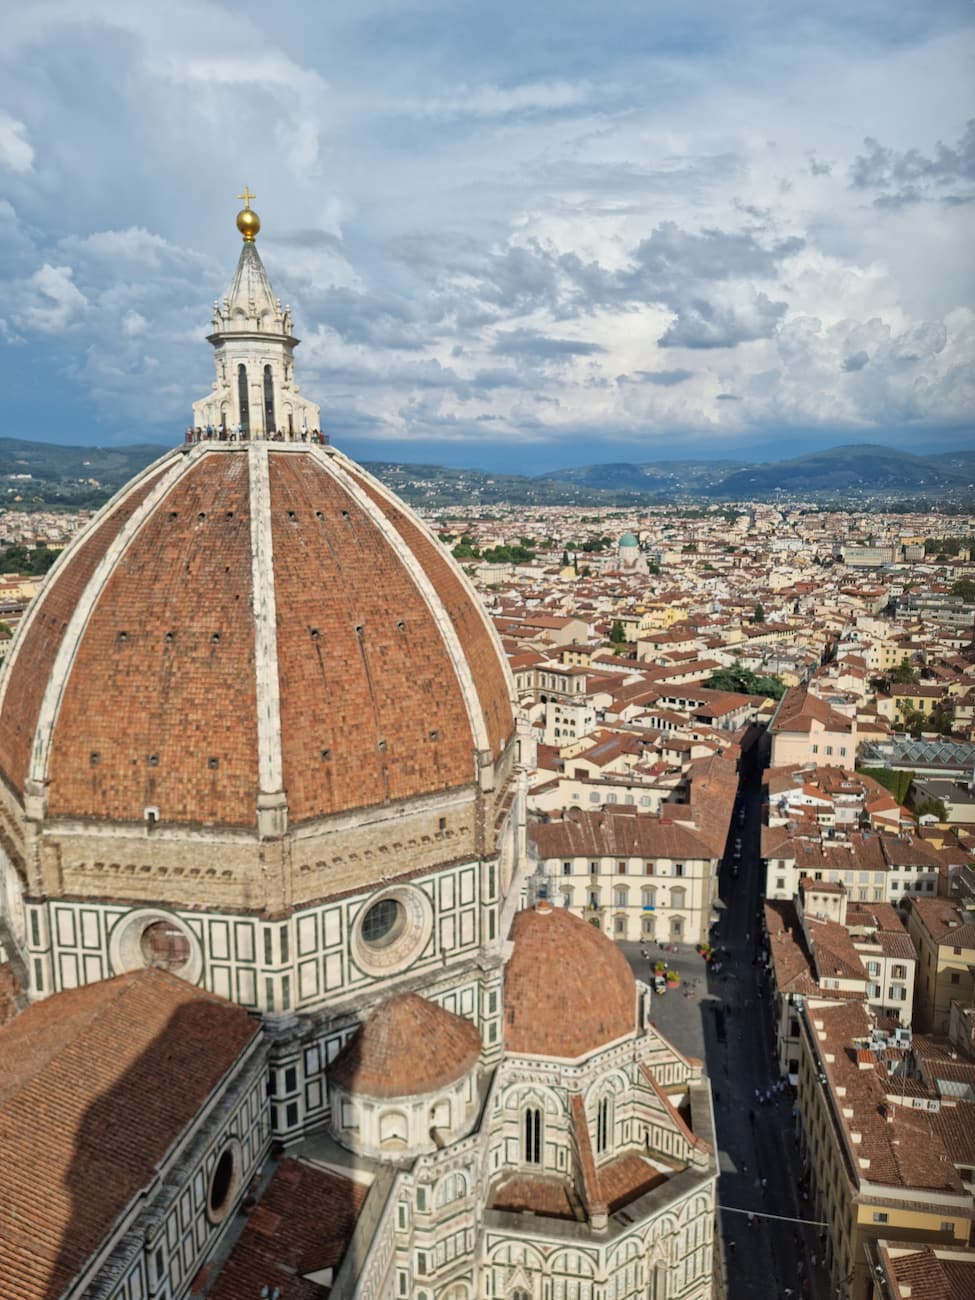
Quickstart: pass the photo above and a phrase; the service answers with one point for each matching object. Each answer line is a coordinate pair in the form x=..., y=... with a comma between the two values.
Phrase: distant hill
x=863, y=468
x=37, y=475
x=651, y=476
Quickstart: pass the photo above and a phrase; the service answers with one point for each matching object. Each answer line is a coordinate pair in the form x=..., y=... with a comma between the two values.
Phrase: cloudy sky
x=517, y=235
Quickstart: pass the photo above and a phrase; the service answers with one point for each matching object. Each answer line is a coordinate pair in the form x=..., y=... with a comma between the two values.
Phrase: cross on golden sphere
x=248, y=222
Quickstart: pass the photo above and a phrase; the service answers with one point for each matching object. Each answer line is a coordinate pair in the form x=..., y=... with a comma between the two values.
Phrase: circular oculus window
x=391, y=931
x=165, y=946
x=224, y=1182
x=150, y=937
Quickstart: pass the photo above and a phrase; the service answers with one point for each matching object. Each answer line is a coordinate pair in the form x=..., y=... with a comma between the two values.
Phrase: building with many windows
x=635, y=876
x=878, y=1164
x=943, y=932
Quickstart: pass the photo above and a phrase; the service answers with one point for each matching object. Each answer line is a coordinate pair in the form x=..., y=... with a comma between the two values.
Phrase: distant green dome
x=628, y=540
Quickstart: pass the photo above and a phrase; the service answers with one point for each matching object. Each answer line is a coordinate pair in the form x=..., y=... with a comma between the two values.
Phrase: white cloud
x=15, y=148
x=134, y=324
x=501, y=101
x=52, y=301
x=486, y=232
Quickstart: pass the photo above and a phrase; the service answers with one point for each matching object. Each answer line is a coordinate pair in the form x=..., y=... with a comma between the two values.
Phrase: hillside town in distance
x=753, y=767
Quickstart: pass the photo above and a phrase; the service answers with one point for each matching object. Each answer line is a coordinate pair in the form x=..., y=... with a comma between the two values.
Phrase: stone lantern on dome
x=254, y=394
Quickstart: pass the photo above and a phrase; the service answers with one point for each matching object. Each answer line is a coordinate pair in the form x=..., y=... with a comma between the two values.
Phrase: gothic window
x=602, y=1125
x=243, y=400
x=450, y=1189
x=532, y=1153
x=269, y=424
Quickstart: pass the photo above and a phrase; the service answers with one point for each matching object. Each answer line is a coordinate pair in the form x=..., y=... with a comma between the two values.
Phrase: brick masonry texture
x=144, y=714
x=567, y=989
x=150, y=1049
x=302, y=1225
x=407, y=1046
x=163, y=682
x=364, y=673
x=37, y=652
x=482, y=655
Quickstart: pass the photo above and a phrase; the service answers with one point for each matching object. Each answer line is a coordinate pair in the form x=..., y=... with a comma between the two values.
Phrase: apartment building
x=877, y=1162
x=943, y=934
x=634, y=876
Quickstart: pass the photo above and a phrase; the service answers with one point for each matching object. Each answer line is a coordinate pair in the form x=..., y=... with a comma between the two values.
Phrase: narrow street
x=724, y=1017
x=767, y=1254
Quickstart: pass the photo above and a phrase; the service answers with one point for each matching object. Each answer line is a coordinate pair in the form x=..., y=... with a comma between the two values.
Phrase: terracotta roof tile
x=302, y=1225
x=134, y=1057
x=407, y=1045
x=568, y=990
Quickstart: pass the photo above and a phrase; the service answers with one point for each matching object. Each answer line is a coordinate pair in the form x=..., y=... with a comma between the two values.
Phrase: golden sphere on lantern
x=248, y=223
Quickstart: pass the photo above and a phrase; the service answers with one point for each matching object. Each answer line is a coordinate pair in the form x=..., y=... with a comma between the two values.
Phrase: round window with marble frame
x=127, y=947
x=224, y=1181
x=391, y=929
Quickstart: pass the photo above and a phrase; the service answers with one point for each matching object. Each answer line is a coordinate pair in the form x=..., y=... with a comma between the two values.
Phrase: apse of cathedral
x=283, y=1022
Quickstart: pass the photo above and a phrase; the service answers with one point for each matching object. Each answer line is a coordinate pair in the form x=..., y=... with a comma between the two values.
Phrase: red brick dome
x=568, y=990
x=407, y=1046
x=246, y=623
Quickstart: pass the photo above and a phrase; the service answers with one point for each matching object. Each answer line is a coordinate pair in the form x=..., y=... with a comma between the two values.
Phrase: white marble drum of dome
x=254, y=684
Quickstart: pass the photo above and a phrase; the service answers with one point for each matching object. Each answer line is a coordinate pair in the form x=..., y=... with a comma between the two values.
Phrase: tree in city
x=616, y=633
x=905, y=674
x=758, y=615
x=931, y=807
x=742, y=681
x=26, y=561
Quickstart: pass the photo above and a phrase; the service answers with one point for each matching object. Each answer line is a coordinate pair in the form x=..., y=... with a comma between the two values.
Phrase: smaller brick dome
x=407, y=1046
x=568, y=990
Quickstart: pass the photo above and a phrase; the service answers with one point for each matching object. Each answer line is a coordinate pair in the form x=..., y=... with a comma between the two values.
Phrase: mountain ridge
x=35, y=475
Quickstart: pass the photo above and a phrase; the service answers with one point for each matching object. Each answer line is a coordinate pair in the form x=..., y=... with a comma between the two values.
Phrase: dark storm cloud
x=664, y=268
x=701, y=324
x=663, y=378
x=856, y=362
x=671, y=253
x=879, y=167
x=379, y=320
x=312, y=239
x=524, y=342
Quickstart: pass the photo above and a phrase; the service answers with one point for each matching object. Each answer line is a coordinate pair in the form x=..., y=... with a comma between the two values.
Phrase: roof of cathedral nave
x=96, y=1085
x=245, y=618
x=568, y=989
